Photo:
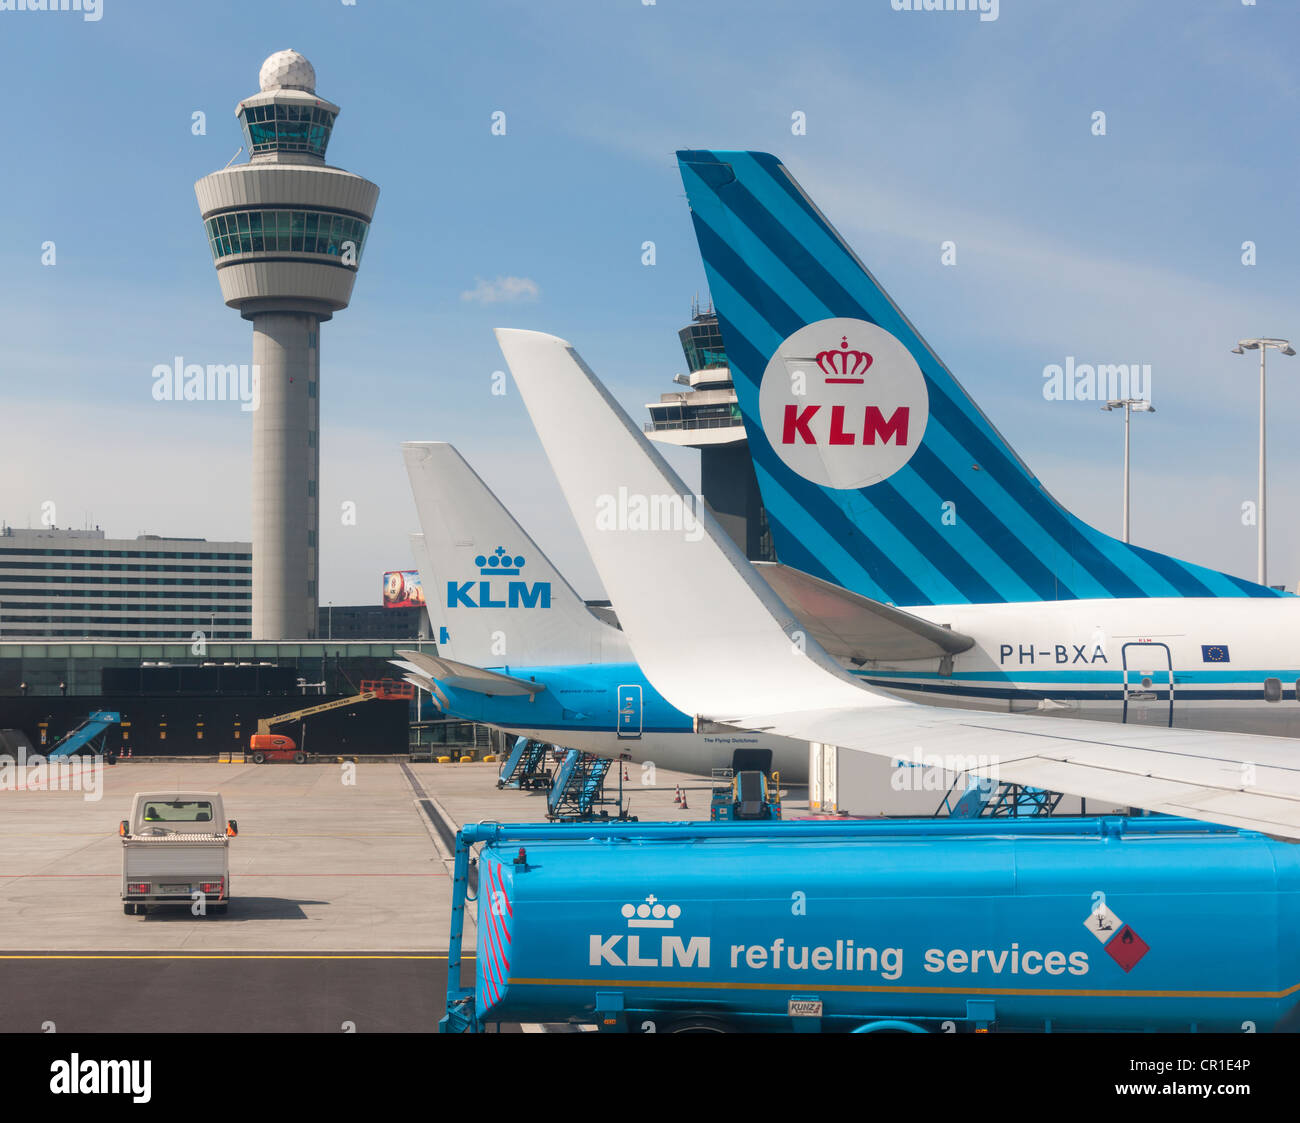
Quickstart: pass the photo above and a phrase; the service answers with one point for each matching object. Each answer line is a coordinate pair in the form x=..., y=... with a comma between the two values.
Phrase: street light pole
x=1128, y=420
x=1263, y=477
x=1128, y=405
x=1283, y=347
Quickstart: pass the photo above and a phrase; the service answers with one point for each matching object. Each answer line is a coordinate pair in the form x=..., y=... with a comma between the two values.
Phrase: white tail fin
x=494, y=598
x=706, y=641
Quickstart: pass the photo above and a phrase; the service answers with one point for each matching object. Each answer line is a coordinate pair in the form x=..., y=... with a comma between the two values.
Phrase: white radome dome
x=287, y=70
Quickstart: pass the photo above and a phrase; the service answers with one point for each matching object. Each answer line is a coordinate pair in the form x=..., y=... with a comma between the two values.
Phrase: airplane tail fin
x=494, y=598
x=710, y=644
x=878, y=471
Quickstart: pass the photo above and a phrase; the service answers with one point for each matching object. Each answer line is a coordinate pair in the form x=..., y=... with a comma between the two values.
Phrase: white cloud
x=503, y=290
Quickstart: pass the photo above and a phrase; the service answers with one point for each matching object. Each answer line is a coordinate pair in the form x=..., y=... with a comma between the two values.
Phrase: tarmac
x=340, y=897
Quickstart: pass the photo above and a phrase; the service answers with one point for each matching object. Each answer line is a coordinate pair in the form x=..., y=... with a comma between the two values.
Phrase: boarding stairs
x=525, y=767
x=92, y=732
x=578, y=788
x=997, y=801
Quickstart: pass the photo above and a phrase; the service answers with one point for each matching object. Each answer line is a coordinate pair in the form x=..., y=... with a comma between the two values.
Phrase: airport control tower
x=706, y=416
x=286, y=232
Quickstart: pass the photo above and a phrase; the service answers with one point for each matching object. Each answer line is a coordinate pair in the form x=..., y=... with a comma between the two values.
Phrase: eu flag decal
x=1214, y=653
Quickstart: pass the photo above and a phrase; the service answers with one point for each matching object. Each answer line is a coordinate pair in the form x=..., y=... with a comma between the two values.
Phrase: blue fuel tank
x=1050, y=924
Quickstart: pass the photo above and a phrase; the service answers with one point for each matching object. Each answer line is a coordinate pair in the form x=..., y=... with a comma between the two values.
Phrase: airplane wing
x=462, y=676
x=855, y=627
x=717, y=642
x=1241, y=780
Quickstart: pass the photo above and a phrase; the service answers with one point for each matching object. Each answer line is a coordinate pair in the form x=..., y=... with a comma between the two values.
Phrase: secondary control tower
x=706, y=416
x=286, y=232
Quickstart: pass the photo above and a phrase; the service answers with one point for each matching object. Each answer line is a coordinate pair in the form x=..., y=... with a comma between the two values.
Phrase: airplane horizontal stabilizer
x=462, y=676
x=855, y=627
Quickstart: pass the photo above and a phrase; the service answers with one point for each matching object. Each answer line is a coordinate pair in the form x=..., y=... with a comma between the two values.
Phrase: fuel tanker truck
x=1066, y=924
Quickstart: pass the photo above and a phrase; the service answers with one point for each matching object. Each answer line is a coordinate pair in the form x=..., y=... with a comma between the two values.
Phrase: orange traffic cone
x=684, y=807
x=677, y=795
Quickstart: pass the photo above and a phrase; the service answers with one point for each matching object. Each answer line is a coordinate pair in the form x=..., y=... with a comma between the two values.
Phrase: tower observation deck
x=287, y=233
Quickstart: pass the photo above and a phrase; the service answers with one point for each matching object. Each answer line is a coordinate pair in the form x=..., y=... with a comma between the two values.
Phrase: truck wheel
x=259, y=758
x=889, y=1025
x=699, y=1025
x=300, y=758
x=129, y=909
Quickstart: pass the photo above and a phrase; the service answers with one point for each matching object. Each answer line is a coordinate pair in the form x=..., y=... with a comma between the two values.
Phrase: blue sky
x=921, y=127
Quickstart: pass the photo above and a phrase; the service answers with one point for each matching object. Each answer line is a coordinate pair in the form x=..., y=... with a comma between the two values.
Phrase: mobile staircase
x=92, y=732
x=997, y=801
x=525, y=767
x=578, y=789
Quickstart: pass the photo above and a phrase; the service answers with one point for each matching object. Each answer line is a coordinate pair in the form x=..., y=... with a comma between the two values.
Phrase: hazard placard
x=1126, y=948
x=1103, y=923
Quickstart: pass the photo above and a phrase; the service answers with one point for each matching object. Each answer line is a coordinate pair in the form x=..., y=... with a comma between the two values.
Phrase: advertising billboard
x=402, y=589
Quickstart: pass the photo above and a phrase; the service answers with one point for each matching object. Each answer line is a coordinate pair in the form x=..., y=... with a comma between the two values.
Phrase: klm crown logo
x=500, y=563
x=651, y=913
x=481, y=594
x=844, y=366
x=640, y=948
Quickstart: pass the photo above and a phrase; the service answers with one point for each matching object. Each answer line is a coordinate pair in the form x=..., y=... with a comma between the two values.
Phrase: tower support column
x=286, y=475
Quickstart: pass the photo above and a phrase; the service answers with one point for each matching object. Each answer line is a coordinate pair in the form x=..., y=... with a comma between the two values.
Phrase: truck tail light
x=215, y=888
x=137, y=887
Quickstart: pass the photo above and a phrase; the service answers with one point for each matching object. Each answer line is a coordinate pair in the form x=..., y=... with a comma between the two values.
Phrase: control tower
x=286, y=233
x=706, y=416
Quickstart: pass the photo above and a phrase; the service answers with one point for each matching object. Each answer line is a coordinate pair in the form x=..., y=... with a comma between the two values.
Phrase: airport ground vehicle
x=176, y=850
x=1079, y=924
x=749, y=794
x=265, y=746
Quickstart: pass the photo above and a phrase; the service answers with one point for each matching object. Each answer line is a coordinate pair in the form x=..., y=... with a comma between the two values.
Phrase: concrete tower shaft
x=286, y=474
x=287, y=233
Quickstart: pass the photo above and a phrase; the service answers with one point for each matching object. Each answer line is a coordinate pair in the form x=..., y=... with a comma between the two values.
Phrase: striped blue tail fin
x=877, y=470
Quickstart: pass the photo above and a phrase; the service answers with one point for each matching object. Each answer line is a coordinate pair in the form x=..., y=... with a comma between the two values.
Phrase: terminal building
x=197, y=699
x=706, y=416
x=79, y=584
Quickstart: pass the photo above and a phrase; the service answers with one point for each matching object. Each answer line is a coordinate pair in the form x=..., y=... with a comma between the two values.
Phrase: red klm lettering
x=796, y=421
x=874, y=424
x=838, y=435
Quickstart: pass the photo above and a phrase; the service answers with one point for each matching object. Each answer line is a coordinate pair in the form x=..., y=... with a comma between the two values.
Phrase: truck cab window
x=180, y=812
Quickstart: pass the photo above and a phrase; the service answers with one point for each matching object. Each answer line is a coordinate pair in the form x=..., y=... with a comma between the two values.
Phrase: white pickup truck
x=176, y=850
